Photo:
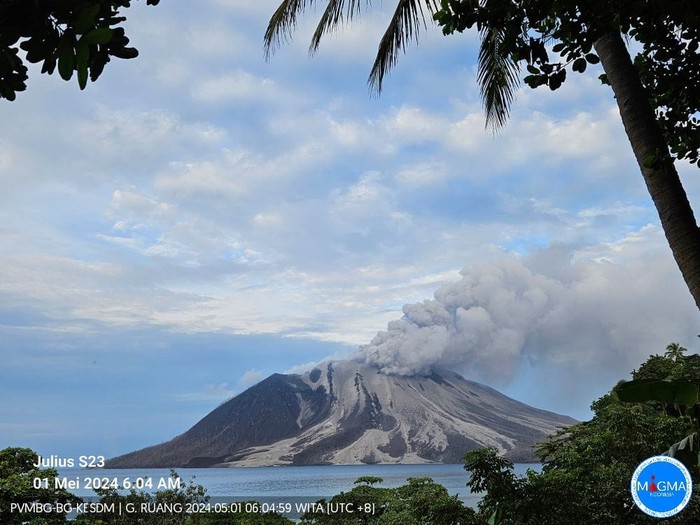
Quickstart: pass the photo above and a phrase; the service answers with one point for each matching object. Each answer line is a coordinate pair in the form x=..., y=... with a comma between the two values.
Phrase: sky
x=200, y=218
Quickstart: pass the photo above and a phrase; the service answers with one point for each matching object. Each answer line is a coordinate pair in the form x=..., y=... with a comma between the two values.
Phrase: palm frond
x=282, y=23
x=497, y=76
x=337, y=12
x=404, y=27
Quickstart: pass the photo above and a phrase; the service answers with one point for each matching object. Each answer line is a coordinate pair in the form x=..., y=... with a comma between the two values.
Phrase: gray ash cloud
x=557, y=308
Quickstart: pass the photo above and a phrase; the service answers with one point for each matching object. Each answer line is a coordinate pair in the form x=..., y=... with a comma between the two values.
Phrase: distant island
x=346, y=412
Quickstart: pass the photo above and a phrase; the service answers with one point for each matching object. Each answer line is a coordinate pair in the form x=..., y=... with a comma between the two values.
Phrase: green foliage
x=75, y=36
x=17, y=472
x=587, y=468
x=673, y=384
x=420, y=502
x=16, y=475
x=666, y=391
x=668, y=62
x=497, y=77
x=368, y=480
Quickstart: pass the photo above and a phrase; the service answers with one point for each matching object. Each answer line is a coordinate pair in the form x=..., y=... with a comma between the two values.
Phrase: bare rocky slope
x=344, y=412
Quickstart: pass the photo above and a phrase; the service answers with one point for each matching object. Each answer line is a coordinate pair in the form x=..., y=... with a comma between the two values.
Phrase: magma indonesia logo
x=661, y=486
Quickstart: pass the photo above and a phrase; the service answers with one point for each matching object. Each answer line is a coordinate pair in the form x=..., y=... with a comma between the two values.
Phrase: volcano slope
x=345, y=412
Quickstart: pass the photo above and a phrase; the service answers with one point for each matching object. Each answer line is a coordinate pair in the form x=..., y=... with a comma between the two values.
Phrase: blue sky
x=200, y=218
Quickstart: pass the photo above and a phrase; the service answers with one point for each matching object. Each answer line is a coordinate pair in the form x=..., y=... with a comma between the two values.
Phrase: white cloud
x=209, y=393
x=238, y=86
x=127, y=133
x=250, y=377
x=428, y=173
x=415, y=125
x=362, y=197
x=300, y=369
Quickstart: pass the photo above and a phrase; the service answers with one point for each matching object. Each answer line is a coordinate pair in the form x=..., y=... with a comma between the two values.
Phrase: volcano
x=345, y=412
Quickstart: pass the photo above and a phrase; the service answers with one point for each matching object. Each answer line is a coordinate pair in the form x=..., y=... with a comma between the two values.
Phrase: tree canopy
x=17, y=472
x=587, y=467
x=73, y=36
x=420, y=501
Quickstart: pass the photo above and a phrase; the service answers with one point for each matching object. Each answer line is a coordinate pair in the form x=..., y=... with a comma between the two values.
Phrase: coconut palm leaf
x=498, y=77
x=404, y=27
x=336, y=13
x=282, y=23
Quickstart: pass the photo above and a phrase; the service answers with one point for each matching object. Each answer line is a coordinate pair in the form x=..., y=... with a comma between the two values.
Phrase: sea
x=276, y=487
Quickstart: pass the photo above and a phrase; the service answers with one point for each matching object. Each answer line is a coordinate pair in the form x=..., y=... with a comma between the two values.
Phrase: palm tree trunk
x=655, y=162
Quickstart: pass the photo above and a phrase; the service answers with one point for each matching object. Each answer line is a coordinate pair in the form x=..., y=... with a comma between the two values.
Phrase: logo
x=661, y=486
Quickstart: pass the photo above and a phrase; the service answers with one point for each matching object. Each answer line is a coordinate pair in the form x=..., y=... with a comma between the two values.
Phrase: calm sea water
x=287, y=483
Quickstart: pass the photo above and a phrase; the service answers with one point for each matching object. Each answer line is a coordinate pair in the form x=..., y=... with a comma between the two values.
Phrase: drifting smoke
x=555, y=308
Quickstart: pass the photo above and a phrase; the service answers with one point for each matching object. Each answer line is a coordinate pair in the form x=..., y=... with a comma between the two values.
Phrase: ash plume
x=556, y=309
